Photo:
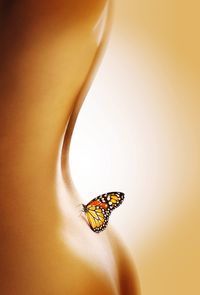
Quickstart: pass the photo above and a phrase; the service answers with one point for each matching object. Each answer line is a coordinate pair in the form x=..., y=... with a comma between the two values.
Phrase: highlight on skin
x=49, y=51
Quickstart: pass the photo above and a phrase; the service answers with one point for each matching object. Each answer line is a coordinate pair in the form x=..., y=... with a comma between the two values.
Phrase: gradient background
x=138, y=132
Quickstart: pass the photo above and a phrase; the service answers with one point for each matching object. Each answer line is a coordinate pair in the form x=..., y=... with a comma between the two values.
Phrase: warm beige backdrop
x=138, y=132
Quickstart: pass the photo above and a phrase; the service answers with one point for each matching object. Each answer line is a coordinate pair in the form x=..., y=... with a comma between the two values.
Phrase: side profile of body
x=48, y=53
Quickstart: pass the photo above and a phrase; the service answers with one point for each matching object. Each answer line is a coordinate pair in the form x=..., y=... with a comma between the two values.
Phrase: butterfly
x=98, y=210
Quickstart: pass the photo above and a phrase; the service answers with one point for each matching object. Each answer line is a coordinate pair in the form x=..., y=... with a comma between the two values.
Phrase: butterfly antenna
x=82, y=209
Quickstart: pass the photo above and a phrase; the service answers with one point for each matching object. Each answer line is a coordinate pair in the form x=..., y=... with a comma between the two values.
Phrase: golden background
x=138, y=132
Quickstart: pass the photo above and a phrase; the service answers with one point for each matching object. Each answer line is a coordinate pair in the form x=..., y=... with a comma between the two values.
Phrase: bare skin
x=48, y=53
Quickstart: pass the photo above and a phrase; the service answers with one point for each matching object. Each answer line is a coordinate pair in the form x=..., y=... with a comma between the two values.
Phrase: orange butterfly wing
x=99, y=209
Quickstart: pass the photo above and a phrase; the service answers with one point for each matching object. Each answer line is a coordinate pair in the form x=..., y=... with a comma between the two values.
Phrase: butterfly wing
x=99, y=209
x=97, y=218
x=112, y=199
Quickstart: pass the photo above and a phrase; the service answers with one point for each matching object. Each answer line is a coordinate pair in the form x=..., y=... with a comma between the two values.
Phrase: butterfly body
x=98, y=210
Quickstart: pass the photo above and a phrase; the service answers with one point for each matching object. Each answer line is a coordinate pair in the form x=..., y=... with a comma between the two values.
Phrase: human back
x=47, y=49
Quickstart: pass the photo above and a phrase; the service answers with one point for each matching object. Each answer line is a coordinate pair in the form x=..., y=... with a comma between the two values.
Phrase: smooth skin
x=48, y=54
